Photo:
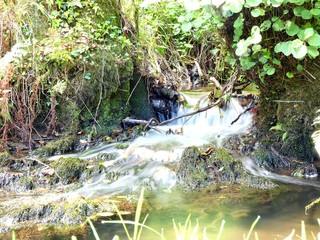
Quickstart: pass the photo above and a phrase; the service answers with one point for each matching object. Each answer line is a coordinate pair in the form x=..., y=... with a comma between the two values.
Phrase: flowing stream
x=149, y=159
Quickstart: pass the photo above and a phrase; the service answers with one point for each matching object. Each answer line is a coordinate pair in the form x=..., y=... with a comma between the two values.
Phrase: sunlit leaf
x=278, y=25
x=186, y=27
x=299, y=50
x=312, y=52
x=314, y=40
x=253, y=3
x=284, y=47
x=315, y=11
x=265, y=25
x=257, y=12
x=306, y=14
x=291, y=28
x=305, y=34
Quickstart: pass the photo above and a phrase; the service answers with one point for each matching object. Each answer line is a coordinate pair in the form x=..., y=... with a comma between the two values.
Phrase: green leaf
x=299, y=68
x=186, y=27
x=277, y=127
x=291, y=28
x=276, y=3
x=297, y=2
x=242, y=47
x=269, y=69
x=263, y=60
x=278, y=25
x=314, y=40
x=257, y=12
x=284, y=136
x=265, y=25
x=256, y=48
x=276, y=61
x=298, y=10
x=299, y=50
x=306, y=14
x=253, y=3
x=246, y=63
x=305, y=34
x=317, y=5
x=315, y=11
x=236, y=6
x=289, y=74
x=284, y=47
x=312, y=52
x=198, y=22
x=255, y=35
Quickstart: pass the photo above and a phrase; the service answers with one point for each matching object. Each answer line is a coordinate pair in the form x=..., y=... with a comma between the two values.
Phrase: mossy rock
x=70, y=169
x=207, y=165
x=60, y=146
x=6, y=159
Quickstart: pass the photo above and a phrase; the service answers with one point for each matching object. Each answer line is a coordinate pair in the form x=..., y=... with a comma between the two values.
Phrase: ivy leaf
x=236, y=6
x=276, y=3
x=186, y=27
x=284, y=47
x=269, y=69
x=276, y=62
x=289, y=74
x=255, y=35
x=291, y=28
x=299, y=68
x=265, y=25
x=314, y=40
x=306, y=14
x=305, y=34
x=242, y=47
x=299, y=50
x=298, y=10
x=278, y=25
x=198, y=22
x=257, y=12
x=253, y=3
x=315, y=11
x=312, y=52
x=297, y=2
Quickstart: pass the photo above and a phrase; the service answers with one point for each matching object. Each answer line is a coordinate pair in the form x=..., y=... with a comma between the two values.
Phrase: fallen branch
x=191, y=113
x=248, y=109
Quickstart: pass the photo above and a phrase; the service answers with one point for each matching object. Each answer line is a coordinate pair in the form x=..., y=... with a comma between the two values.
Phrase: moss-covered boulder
x=63, y=145
x=70, y=169
x=54, y=209
x=205, y=166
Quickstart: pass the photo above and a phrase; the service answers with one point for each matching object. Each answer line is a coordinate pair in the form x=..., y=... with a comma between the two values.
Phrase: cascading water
x=148, y=159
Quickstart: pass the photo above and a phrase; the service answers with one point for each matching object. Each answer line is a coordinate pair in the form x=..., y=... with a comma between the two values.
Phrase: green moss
x=63, y=145
x=70, y=169
x=6, y=159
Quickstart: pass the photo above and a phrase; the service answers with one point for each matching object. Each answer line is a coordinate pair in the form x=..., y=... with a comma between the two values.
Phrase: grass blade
x=134, y=223
x=95, y=234
x=138, y=214
x=221, y=229
x=252, y=227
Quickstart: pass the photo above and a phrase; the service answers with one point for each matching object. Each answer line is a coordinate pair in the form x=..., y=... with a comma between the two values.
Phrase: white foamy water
x=149, y=158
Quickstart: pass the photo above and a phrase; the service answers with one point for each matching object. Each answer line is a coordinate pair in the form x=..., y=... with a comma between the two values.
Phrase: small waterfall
x=148, y=159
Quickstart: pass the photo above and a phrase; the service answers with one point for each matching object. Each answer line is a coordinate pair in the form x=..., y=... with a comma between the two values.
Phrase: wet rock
x=61, y=146
x=308, y=171
x=70, y=169
x=199, y=168
x=50, y=210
